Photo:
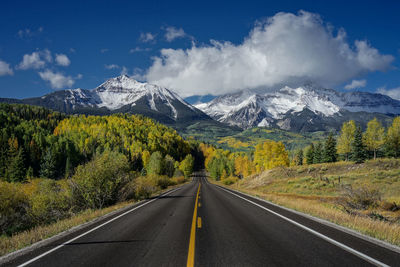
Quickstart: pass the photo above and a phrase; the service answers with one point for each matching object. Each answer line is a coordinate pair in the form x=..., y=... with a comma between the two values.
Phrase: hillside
x=336, y=192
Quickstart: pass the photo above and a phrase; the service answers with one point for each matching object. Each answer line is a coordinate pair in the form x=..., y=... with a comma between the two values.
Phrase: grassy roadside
x=21, y=240
x=319, y=190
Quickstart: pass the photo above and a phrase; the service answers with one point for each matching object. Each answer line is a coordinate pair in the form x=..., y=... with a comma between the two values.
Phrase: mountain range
x=306, y=108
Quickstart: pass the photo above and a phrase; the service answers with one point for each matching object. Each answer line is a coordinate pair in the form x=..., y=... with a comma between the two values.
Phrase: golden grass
x=315, y=190
x=20, y=240
x=389, y=232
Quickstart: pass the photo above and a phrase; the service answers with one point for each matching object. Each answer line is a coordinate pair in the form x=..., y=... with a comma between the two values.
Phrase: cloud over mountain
x=284, y=49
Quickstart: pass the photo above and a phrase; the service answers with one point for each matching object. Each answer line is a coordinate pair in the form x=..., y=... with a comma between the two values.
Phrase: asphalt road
x=202, y=224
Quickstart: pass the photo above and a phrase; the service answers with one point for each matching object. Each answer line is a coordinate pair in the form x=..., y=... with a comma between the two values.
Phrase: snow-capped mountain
x=287, y=106
x=122, y=94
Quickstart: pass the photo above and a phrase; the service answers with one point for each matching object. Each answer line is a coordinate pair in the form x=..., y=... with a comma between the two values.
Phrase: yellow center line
x=192, y=241
x=199, y=204
x=198, y=222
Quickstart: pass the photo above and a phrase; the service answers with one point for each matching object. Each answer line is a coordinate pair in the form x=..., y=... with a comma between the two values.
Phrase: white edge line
x=93, y=229
x=330, y=240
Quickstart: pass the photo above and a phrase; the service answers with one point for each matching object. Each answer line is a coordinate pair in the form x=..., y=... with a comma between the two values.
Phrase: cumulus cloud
x=111, y=66
x=5, y=68
x=62, y=60
x=355, y=84
x=57, y=80
x=104, y=50
x=393, y=93
x=147, y=37
x=172, y=33
x=284, y=49
x=36, y=60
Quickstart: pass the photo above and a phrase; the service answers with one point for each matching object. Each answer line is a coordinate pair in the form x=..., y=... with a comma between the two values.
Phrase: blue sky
x=71, y=44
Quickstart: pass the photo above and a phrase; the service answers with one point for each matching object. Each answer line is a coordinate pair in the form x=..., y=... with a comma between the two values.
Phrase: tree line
x=354, y=144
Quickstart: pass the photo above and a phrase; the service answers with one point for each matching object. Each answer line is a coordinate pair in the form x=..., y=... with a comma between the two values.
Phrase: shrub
x=97, y=183
x=361, y=198
x=144, y=187
x=51, y=201
x=229, y=181
x=14, y=206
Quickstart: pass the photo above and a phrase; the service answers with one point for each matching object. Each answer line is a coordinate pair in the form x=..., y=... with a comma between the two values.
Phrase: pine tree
x=299, y=157
x=358, y=150
x=48, y=165
x=310, y=154
x=29, y=173
x=16, y=171
x=346, y=138
x=330, y=149
x=68, y=168
x=374, y=136
x=318, y=153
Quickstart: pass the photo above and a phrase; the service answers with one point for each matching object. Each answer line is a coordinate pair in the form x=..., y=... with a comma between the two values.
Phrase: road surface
x=201, y=224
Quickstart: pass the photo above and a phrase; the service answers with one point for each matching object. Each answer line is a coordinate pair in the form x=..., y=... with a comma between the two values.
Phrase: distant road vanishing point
x=202, y=224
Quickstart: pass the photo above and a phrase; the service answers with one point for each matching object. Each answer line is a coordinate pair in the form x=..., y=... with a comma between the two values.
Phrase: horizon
x=43, y=51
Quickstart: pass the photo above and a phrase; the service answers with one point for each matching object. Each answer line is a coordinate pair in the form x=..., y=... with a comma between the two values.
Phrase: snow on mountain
x=248, y=109
x=126, y=95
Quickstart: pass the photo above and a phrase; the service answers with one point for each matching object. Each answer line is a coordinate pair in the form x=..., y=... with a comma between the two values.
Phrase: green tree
x=318, y=153
x=310, y=154
x=346, y=138
x=330, y=154
x=392, y=141
x=169, y=165
x=156, y=164
x=358, y=150
x=299, y=157
x=48, y=165
x=16, y=171
x=97, y=183
x=186, y=166
x=374, y=136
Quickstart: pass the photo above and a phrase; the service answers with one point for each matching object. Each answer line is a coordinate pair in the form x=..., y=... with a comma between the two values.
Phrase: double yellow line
x=192, y=241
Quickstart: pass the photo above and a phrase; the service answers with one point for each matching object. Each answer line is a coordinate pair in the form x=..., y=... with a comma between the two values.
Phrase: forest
x=53, y=166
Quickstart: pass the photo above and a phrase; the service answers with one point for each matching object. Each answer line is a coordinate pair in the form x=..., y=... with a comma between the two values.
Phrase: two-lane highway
x=202, y=224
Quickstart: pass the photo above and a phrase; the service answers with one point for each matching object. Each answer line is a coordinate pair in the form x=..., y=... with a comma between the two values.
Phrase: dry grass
x=318, y=190
x=18, y=241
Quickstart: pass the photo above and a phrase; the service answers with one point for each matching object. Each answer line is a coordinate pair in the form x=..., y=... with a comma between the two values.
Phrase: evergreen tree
x=318, y=153
x=29, y=173
x=330, y=149
x=16, y=171
x=358, y=150
x=374, y=136
x=48, y=165
x=68, y=168
x=299, y=157
x=310, y=154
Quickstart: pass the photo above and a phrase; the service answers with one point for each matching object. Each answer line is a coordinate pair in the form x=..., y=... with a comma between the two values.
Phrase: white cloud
x=36, y=60
x=147, y=37
x=393, y=93
x=57, y=80
x=111, y=66
x=284, y=49
x=139, y=49
x=171, y=33
x=104, y=50
x=5, y=68
x=355, y=84
x=62, y=60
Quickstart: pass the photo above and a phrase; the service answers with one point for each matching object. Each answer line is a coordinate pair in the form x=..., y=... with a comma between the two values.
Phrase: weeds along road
x=201, y=224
